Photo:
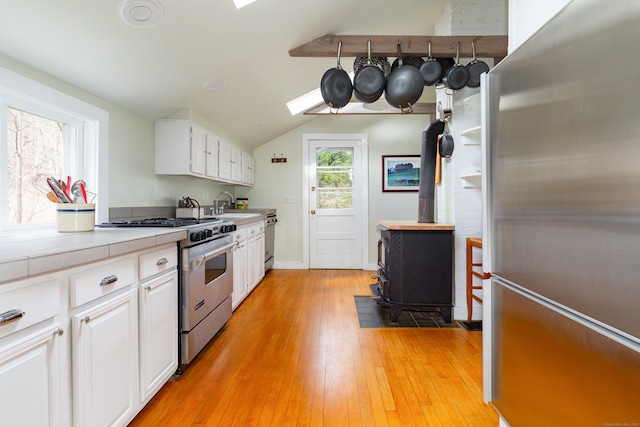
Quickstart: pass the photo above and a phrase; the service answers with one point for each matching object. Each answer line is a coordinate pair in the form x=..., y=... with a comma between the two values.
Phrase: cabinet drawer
x=91, y=284
x=158, y=261
x=29, y=305
x=252, y=231
x=240, y=234
x=260, y=227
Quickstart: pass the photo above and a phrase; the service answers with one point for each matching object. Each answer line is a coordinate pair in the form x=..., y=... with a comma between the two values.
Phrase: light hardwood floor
x=293, y=354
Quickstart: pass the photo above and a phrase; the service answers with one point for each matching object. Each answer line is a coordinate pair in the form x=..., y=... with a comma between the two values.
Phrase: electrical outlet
x=290, y=198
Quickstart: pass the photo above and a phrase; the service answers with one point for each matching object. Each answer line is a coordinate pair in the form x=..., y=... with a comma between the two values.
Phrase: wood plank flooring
x=293, y=354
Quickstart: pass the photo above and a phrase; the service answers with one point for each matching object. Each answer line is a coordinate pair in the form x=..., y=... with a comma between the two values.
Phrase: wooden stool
x=473, y=242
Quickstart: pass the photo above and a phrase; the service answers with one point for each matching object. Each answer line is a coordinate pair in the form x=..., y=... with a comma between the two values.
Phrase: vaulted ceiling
x=178, y=62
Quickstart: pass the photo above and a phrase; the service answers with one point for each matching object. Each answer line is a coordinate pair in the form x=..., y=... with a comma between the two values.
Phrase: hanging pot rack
x=441, y=46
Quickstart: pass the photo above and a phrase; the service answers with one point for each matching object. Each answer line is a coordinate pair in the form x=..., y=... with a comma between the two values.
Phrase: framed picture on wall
x=401, y=173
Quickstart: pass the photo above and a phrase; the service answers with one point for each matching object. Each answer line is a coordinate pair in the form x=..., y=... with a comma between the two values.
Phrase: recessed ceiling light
x=215, y=84
x=140, y=13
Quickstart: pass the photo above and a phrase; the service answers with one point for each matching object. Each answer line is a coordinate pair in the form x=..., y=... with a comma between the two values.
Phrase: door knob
x=313, y=212
x=313, y=188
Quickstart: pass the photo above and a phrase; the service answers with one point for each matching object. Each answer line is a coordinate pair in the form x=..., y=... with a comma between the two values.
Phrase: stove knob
x=209, y=233
x=194, y=237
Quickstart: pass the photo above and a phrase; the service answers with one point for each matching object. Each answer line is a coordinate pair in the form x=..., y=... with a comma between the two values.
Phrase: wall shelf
x=471, y=136
x=472, y=180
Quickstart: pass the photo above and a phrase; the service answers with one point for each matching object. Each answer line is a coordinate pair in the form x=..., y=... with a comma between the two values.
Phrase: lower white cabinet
x=105, y=362
x=248, y=261
x=158, y=332
x=30, y=379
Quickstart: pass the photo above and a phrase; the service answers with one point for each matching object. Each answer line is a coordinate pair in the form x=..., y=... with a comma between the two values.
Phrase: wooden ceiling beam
x=441, y=46
x=354, y=108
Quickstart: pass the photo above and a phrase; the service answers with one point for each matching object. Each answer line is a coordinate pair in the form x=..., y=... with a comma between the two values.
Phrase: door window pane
x=334, y=175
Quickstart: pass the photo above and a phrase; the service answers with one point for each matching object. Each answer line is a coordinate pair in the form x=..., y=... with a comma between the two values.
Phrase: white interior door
x=336, y=183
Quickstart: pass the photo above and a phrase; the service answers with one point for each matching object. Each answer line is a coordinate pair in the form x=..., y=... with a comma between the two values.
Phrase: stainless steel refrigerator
x=563, y=220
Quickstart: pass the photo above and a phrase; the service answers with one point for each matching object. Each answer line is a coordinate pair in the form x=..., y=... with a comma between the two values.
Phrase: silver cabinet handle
x=10, y=316
x=59, y=332
x=109, y=280
x=162, y=261
x=86, y=319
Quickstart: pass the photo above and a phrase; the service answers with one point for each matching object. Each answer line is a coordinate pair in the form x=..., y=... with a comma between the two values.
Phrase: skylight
x=308, y=100
x=242, y=3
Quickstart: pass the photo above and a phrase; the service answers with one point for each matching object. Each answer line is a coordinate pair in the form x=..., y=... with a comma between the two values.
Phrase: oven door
x=207, y=272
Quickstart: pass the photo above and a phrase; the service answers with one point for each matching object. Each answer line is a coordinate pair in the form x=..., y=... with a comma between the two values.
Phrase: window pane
x=34, y=150
x=334, y=172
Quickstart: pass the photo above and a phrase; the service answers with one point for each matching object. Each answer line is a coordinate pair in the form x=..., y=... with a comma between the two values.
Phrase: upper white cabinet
x=247, y=169
x=185, y=148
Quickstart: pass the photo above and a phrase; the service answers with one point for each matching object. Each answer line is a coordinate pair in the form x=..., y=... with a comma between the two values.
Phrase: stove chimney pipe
x=426, y=205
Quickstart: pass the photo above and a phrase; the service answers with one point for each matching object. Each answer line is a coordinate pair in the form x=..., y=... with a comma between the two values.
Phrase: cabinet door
x=224, y=160
x=30, y=380
x=158, y=332
x=236, y=165
x=247, y=169
x=198, y=152
x=212, y=156
x=105, y=373
x=252, y=256
x=239, y=274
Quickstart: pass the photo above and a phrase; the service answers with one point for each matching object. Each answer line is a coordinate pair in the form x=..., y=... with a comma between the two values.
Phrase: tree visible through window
x=34, y=151
x=334, y=171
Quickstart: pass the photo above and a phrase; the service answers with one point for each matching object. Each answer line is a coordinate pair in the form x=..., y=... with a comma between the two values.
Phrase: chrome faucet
x=219, y=210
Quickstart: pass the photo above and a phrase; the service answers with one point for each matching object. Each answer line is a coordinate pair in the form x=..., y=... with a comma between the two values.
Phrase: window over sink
x=44, y=132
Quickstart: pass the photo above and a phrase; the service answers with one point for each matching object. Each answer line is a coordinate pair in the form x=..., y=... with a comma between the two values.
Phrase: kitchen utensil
x=431, y=69
x=445, y=145
x=404, y=86
x=336, y=87
x=476, y=67
x=58, y=191
x=456, y=77
x=369, y=81
x=438, y=178
x=83, y=189
x=52, y=197
x=379, y=61
x=77, y=191
x=414, y=61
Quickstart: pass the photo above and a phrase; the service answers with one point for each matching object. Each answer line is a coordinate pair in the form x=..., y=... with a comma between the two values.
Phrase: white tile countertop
x=24, y=254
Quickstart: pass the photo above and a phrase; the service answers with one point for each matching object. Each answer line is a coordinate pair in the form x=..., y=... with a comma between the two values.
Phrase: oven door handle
x=197, y=263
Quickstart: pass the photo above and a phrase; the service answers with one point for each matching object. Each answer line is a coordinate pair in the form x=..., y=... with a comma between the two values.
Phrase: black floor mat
x=475, y=325
x=372, y=315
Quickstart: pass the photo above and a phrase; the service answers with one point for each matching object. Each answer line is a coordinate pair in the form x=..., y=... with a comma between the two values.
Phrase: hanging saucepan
x=476, y=67
x=415, y=61
x=445, y=145
x=369, y=81
x=457, y=76
x=404, y=86
x=431, y=69
x=445, y=63
x=335, y=86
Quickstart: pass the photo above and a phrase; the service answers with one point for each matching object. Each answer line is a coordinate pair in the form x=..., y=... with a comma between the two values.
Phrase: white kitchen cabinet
x=236, y=164
x=184, y=148
x=105, y=362
x=224, y=160
x=240, y=267
x=255, y=255
x=158, y=319
x=30, y=348
x=30, y=379
x=247, y=169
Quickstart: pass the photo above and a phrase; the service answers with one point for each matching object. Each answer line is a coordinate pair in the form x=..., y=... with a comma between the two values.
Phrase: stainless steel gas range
x=205, y=278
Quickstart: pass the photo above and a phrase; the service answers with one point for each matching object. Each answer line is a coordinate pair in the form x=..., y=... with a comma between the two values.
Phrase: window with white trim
x=47, y=134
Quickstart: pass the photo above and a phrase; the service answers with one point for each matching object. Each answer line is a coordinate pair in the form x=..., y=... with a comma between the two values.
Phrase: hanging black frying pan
x=476, y=67
x=414, y=61
x=335, y=86
x=431, y=69
x=404, y=86
x=458, y=75
x=369, y=80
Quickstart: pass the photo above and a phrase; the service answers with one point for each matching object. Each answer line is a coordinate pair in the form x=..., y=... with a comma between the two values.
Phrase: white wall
x=387, y=134
x=527, y=16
